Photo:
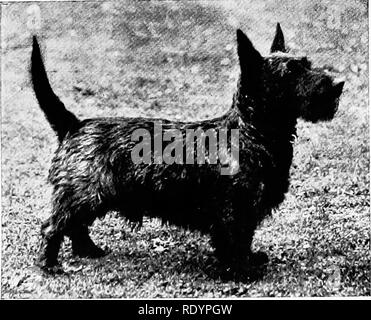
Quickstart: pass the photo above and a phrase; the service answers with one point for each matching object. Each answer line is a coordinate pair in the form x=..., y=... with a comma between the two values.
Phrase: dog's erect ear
x=338, y=87
x=278, y=41
x=250, y=58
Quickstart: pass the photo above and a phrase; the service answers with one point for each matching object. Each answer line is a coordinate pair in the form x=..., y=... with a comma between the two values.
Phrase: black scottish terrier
x=92, y=171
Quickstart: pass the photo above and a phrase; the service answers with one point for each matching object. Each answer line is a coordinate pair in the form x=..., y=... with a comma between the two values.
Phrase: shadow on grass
x=197, y=262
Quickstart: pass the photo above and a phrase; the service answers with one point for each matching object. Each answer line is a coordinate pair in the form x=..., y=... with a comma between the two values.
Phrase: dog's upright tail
x=61, y=120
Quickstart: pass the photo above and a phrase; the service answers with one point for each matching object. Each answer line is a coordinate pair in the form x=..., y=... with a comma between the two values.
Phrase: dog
x=93, y=171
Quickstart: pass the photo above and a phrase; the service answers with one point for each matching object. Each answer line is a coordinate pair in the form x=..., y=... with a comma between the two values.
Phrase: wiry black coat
x=92, y=171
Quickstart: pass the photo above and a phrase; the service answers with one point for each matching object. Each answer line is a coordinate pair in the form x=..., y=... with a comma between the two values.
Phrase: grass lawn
x=177, y=59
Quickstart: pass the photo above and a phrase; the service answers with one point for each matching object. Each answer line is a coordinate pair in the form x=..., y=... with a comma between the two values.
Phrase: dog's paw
x=92, y=252
x=49, y=268
x=257, y=259
x=248, y=269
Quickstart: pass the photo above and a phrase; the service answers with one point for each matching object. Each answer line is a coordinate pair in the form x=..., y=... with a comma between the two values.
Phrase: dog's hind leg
x=82, y=244
x=77, y=228
x=52, y=237
x=71, y=217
